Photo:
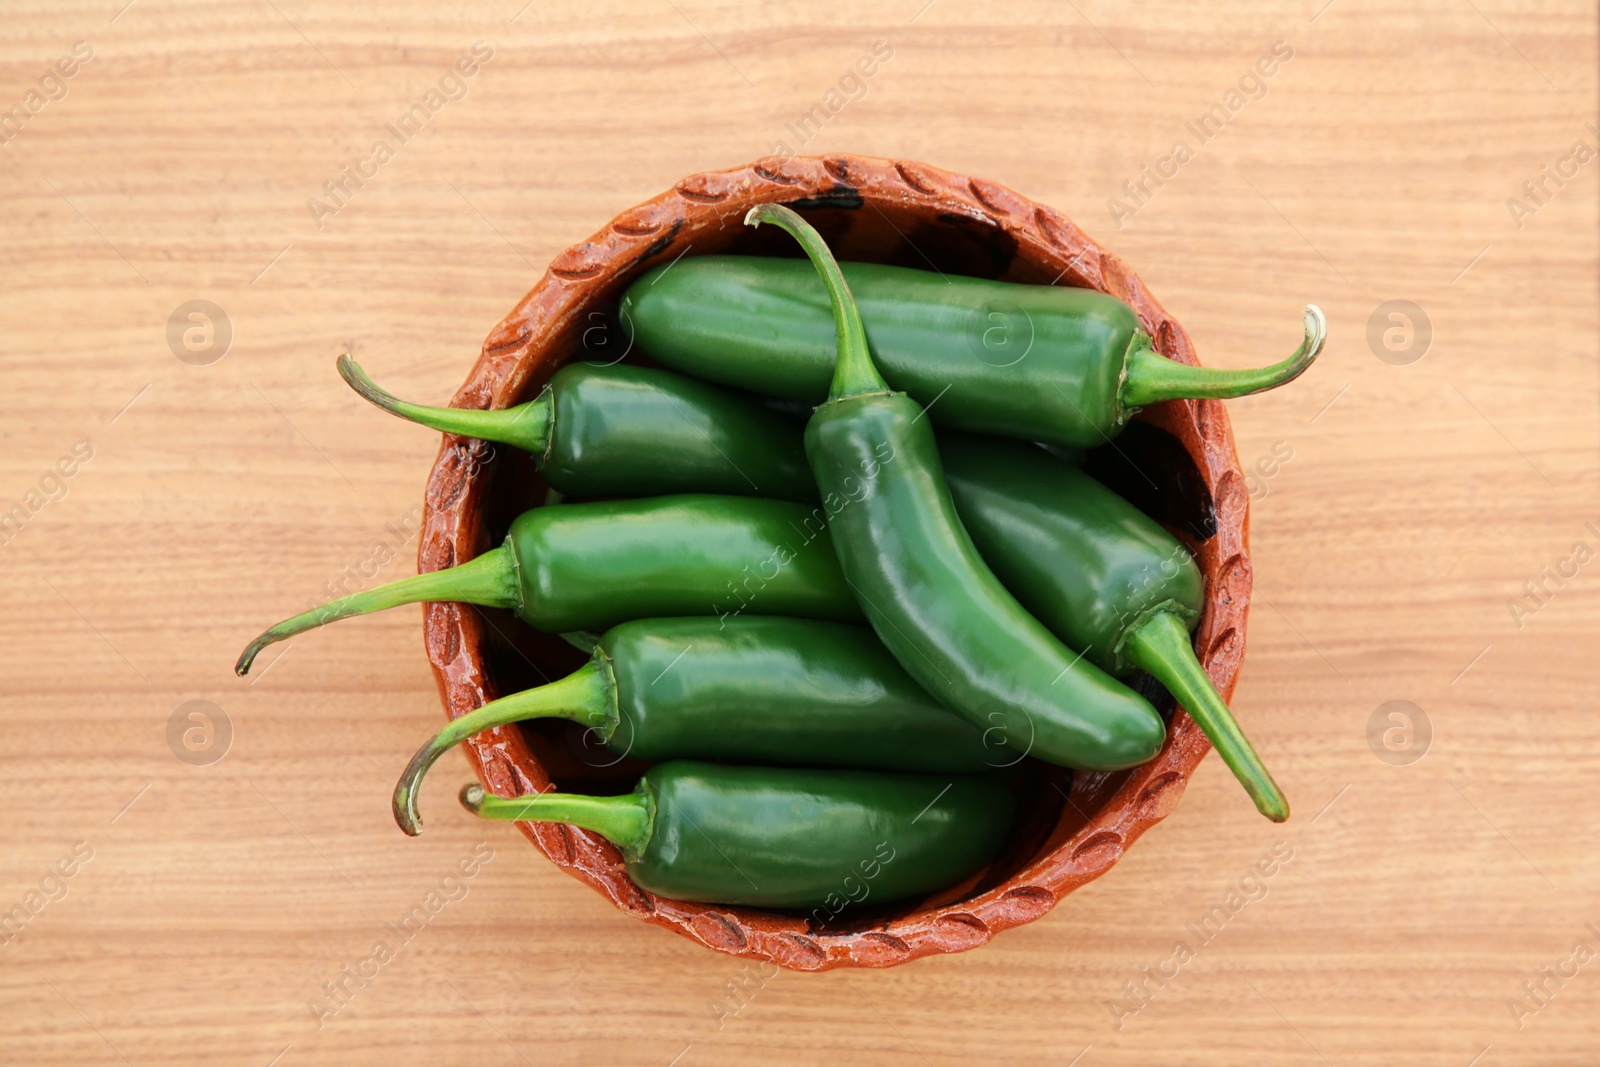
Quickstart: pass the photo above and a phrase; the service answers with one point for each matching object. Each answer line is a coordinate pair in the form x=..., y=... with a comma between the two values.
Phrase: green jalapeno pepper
x=780, y=837
x=622, y=430
x=1102, y=575
x=752, y=689
x=919, y=580
x=1045, y=363
x=590, y=566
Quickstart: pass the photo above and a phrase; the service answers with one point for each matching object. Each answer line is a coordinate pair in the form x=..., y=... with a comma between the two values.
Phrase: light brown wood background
x=221, y=497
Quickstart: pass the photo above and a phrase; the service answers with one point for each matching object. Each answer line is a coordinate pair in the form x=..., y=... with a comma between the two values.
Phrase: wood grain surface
x=1424, y=534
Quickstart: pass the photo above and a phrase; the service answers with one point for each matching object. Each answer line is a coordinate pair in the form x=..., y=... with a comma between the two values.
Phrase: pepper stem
x=584, y=696
x=1152, y=377
x=623, y=820
x=525, y=426
x=853, y=372
x=489, y=581
x=1159, y=643
x=582, y=640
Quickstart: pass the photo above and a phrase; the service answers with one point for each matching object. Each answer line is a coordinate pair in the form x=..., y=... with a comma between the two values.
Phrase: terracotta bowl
x=1177, y=461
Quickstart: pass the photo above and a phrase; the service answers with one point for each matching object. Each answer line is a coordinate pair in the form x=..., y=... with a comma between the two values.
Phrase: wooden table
x=1422, y=479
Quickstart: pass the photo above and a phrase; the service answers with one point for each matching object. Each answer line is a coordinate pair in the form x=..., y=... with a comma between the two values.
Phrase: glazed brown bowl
x=1177, y=461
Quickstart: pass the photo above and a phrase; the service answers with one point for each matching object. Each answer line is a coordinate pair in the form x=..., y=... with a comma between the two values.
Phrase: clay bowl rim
x=538, y=336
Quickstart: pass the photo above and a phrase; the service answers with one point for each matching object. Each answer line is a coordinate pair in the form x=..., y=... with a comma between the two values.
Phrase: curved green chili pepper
x=622, y=430
x=590, y=566
x=779, y=837
x=754, y=689
x=1102, y=575
x=933, y=602
x=1041, y=362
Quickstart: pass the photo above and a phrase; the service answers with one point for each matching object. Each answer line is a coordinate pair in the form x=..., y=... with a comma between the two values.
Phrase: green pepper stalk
x=622, y=820
x=1103, y=576
x=585, y=697
x=622, y=430
x=781, y=837
x=1046, y=363
x=1151, y=377
x=753, y=689
x=922, y=585
x=592, y=565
